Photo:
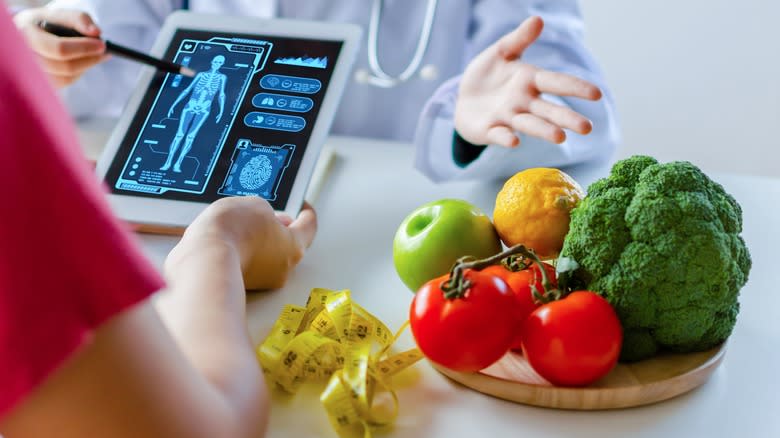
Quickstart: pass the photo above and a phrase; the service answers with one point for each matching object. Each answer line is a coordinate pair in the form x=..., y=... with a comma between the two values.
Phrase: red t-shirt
x=66, y=264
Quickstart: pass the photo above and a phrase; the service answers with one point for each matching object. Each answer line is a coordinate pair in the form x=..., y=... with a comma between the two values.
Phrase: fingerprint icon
x=255, y=173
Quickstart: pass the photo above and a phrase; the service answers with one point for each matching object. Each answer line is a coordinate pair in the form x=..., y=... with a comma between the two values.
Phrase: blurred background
x=695, y=80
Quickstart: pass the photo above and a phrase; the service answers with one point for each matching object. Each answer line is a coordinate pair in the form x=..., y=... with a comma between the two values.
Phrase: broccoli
x=661, y=243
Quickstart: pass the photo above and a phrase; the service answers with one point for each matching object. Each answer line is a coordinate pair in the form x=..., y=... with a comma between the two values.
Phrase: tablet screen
x=238, y=128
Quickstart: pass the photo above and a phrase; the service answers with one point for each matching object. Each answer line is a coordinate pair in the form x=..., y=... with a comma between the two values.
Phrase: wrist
x=194, y=251
x=463, y=151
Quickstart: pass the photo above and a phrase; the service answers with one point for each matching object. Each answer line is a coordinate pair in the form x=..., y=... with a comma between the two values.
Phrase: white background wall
x=26, y=2
x=695, y=80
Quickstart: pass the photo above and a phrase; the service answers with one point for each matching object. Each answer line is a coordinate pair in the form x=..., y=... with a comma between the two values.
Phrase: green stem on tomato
x=515, y=263
x=457, y=286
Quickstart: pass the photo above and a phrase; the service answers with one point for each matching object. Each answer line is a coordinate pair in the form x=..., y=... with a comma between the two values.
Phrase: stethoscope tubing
x=378, y=76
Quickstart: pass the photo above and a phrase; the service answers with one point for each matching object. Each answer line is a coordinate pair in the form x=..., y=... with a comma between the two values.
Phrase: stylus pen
x=62, y=31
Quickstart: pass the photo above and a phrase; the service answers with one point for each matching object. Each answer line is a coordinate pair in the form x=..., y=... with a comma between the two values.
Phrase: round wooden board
x=635, y=384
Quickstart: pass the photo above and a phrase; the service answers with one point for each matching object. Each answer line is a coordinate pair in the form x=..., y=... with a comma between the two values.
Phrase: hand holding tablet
x=250, y=123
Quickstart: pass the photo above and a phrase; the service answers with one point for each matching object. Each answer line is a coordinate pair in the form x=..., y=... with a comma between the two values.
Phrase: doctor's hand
x=499, y=95
x=268, y=245
x=63, y=59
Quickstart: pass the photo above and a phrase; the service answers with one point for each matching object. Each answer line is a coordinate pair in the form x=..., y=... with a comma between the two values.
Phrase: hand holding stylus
x=66, y=28
x=63, y=59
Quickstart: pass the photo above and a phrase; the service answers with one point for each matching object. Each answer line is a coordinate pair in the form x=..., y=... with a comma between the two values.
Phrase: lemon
x=534, y=207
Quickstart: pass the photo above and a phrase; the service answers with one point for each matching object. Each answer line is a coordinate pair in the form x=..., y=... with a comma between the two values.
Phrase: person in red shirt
x=83, y=351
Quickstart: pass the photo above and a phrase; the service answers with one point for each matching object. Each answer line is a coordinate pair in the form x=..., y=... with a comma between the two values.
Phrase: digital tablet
x=250, y=123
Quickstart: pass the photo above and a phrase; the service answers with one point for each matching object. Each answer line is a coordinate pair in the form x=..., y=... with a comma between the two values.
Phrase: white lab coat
x=419, y=110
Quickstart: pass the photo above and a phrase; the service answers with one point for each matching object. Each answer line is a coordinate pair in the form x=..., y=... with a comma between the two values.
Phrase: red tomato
x=573, y=341
x=468, y=333
x=520, y=282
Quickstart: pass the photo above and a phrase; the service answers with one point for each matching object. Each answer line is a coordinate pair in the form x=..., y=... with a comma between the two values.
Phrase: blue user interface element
x=297, y=104
x=304, y=62
x=278, y=122
x=230, y=130
x=290, y=84
x=256, y=169
x=187, y=125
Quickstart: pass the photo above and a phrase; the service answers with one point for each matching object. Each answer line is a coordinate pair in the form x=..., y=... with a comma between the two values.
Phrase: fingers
x=64, y=59
x=304, y=227
x=561, y=116
x=73, y=67
x=78, y=20
x=65, y=73
x=563, y=84
x=538, y=127
x=284, y=219
x=59, y=48
x=75, y=19
x=502, y=136
x=512, y=45
x=63, y=49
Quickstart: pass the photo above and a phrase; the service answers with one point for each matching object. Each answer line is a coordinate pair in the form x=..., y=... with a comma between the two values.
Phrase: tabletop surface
x=371, y=186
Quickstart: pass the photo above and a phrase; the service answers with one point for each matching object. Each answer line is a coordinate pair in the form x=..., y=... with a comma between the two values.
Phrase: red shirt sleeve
x=66, y=264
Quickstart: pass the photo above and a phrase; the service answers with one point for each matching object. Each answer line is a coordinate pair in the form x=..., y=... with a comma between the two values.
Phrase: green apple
x=433, y=237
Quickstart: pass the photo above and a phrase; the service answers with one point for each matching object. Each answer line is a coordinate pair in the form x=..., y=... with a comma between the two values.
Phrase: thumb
x=512, y=45
x=304, y=227
x=78, y=20
x=284, y=219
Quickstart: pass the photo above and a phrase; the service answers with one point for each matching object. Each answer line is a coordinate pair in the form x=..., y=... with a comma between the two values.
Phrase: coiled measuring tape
x=334, y=338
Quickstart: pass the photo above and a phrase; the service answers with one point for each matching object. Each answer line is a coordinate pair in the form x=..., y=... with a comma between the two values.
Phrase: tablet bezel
x=166, y=214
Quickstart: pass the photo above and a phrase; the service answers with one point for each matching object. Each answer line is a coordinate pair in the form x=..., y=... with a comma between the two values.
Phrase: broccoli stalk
x=661, y=243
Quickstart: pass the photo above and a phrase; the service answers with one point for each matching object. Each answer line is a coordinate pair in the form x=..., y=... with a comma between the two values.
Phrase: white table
x=372, y=186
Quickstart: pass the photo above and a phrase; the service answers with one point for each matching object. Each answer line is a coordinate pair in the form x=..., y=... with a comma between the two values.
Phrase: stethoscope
x=378, y=77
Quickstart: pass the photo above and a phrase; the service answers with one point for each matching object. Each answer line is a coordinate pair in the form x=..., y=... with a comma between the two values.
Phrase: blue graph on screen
x=188, y=123
x=304, y=62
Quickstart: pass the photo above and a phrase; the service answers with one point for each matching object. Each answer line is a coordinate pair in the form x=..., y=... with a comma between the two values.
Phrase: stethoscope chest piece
x=428, y=72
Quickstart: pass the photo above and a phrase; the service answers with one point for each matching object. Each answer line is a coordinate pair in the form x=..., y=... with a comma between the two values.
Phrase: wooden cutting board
x=640, y=383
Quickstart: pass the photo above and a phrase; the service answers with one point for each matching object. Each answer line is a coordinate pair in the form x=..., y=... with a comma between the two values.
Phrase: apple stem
x=457, y=286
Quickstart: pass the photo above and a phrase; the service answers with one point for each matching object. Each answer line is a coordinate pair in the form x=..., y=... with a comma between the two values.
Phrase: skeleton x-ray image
x=256, y=169
x=188, y=123
x=201, y=93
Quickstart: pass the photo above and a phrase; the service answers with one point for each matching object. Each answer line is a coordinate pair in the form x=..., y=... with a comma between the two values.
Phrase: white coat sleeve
x=104, y=89
x=560, y=48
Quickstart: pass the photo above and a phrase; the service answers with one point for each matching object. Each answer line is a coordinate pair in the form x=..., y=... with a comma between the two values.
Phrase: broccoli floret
x=661, y=243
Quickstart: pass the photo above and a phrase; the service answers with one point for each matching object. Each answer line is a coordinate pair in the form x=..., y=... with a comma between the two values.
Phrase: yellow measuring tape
x=333, y=337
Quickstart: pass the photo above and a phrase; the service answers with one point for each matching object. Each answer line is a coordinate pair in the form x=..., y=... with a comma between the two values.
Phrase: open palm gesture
x=499, y=95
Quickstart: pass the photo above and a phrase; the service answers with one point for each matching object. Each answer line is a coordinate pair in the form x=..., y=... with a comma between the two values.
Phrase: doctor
x=480, y=96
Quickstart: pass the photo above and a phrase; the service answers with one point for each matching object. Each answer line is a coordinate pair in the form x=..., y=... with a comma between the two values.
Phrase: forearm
x=204, y=309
